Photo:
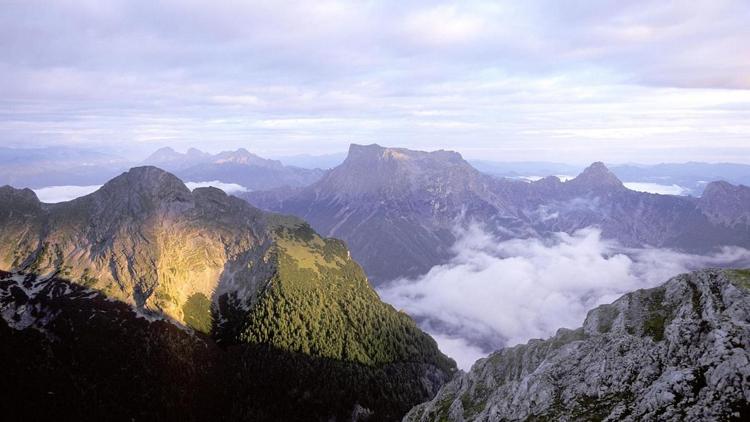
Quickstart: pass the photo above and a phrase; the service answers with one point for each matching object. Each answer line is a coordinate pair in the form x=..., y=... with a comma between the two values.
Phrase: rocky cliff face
x=213, y=263
x=397, y=209
x=678, y=352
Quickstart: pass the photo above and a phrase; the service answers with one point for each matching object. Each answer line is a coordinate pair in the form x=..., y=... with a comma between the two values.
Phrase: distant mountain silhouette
x=240, y=167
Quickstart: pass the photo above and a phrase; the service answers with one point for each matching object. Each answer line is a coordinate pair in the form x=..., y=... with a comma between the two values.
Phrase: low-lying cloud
x=55, y=194
x=494, y=294
x=657, y=188
x=226, y=187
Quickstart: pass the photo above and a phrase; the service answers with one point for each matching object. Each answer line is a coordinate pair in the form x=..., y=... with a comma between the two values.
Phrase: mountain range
x=145, y=280
x=399, y=210
x=148, y=300
x=240, y=167
x=67, y=166
x=689, y=178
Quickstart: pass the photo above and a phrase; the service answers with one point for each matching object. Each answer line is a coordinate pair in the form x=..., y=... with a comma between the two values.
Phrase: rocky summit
x=396, y=208
x=677, y=352
x=221, y=285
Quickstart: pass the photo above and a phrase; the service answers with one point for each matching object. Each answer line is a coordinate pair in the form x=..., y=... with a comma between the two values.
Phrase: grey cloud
x=511, y=78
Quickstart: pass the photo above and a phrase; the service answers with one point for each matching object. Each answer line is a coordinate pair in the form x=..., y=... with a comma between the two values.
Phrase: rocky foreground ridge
x=676, y=352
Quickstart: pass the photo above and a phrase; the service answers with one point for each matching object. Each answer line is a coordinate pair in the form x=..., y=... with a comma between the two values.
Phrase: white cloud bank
x=55, y=194
x=226, y=187
x=562, y=177
x=657, y=188
x=494, y=294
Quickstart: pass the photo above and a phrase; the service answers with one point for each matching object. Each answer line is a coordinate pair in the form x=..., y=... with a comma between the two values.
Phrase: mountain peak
x=18, y=197
x=147, y=181
x=720, y=188
x=243, y=156
x=357, y=151
x=374, y=168
x=163, y=154
x=372, y=152
x=597, y=175
x=165, y=150
x=194, y=152
x=726, y=203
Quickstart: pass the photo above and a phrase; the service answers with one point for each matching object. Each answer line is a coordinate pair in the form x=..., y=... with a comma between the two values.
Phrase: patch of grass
x=740, y=278
x=607, y=316
x=320, y=303
x=443, y=409
x=305, y=254
x=197, y=311
x=659, y=315
x=87, y=280
x=592, y=408
x=473, y=405
x=654, y=327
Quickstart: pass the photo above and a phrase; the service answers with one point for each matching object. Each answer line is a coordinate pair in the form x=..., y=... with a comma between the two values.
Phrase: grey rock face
x=677, y=352
x=397, y=209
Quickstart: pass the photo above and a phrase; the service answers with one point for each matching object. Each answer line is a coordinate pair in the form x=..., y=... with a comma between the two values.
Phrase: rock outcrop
x=676, y=352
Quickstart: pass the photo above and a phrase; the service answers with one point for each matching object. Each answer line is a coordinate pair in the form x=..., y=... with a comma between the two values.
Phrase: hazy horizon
x=139, y=156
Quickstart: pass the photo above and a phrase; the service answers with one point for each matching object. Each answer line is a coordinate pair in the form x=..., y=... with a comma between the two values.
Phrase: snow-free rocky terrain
x=678, y=352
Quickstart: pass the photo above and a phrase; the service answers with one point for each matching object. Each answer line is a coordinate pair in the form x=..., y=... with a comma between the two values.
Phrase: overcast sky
x=572, y=81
